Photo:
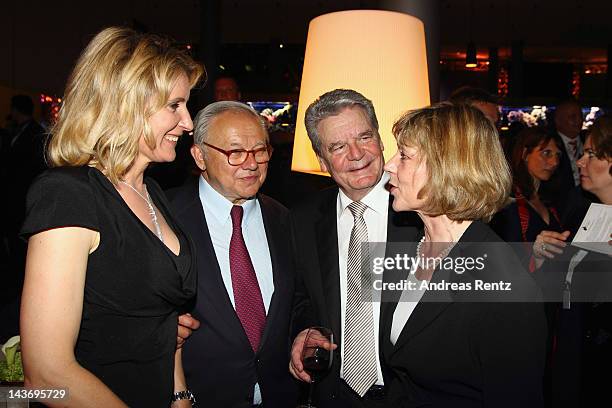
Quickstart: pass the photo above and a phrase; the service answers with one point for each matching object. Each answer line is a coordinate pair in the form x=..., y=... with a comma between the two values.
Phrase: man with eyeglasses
x=238, y=358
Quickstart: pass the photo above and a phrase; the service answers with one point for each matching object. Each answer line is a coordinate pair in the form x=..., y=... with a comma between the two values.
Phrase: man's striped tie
x=359, y=368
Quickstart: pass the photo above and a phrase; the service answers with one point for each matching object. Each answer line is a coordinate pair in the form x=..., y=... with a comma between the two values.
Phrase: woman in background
x=108, y=269
x=595, y=177
x=535, y=159
x=582, y=322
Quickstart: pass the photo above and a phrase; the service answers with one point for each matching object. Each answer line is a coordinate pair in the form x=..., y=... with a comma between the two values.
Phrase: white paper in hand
x=594, y=232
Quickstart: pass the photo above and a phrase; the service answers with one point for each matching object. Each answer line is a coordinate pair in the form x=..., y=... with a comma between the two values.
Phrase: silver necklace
x=152, y=212
x=443, y=254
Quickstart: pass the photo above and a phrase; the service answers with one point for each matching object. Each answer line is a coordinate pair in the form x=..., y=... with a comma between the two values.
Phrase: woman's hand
x=549, y=244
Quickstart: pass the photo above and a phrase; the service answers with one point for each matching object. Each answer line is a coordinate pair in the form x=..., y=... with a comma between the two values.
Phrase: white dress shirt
x=217, y=211
x=409, y=299
x=376, y=217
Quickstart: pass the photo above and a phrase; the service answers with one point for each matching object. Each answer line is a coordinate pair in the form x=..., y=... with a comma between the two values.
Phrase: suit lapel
x=327, y=248
x=274, y=235
x=210, y=281
x=432, y=303
x=423, y=315
x=402, y=232
x=435, y=302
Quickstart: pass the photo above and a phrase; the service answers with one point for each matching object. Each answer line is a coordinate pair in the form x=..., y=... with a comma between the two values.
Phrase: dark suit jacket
x=318, y=273
x=454, y=352
x=220, y=366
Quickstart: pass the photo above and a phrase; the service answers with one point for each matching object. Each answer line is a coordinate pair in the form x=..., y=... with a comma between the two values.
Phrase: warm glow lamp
x=471, y=60
x=380, y=54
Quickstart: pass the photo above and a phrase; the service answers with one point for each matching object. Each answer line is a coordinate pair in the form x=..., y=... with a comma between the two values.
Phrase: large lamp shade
x=380, y=54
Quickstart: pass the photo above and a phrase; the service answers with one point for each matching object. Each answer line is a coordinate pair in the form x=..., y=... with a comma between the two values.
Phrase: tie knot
x=357, y=209
x=572, y=142
x=236, y=214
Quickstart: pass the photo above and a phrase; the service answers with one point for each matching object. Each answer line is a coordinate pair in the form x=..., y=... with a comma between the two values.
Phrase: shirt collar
x=566, y=139
x=220, y=206
x=377, y=199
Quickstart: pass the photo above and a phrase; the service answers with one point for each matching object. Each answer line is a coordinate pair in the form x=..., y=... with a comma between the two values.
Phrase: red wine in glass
x=317, y=364
x=317, y=356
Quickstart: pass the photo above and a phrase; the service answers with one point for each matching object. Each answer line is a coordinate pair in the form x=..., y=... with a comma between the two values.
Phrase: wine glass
x=317, y=356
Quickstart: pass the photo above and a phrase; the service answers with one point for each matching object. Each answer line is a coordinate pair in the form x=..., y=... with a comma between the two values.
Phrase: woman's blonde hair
x=120, y=80
x=469, y=178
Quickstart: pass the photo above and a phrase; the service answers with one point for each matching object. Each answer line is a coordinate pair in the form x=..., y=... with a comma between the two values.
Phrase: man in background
x=568, y=124
x=226, y=89
x=479, y=99
x=22, y=159
x=563, y=189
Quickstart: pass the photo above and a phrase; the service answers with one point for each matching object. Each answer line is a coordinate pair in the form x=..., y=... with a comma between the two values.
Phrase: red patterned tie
x=247, y=295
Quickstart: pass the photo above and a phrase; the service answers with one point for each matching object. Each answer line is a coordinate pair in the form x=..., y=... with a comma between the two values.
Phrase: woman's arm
x=51, y=309
x=180, y=384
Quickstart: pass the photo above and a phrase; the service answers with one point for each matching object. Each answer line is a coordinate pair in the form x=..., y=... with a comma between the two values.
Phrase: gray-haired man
x=238, y=358
x=343, y=129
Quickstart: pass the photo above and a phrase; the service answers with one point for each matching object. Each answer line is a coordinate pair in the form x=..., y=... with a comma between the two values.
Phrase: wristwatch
x=182, y=395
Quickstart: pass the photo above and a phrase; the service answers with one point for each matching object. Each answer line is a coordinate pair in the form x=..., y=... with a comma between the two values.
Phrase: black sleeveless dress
x=134, y=288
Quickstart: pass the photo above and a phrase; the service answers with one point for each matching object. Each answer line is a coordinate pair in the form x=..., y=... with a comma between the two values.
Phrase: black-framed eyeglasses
x=236, y=157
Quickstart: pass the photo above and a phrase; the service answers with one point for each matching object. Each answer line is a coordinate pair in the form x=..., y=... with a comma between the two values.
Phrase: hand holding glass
x=317, y=356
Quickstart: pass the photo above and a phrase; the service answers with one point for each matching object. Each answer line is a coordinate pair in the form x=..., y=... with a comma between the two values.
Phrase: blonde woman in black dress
x=108, y=269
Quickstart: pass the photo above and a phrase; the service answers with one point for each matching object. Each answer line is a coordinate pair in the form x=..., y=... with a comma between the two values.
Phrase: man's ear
x=198, y=156
x=322, y=164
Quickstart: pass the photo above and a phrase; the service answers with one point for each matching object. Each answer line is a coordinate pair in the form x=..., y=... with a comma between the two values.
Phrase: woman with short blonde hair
x=468, y=177
x=108, y=269
x=446, y=342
